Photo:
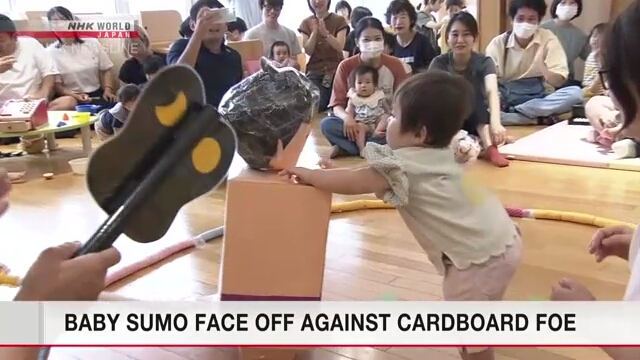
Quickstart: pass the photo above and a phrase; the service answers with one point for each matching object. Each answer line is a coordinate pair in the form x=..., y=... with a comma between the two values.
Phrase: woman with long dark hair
x=621, y=75
x=461, y=35
x=86, y=72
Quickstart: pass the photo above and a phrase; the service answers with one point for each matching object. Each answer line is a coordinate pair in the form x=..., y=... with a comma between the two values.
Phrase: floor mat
x=567, y=145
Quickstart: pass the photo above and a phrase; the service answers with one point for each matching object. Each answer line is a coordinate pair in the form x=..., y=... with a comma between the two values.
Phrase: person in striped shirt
x=591, y=84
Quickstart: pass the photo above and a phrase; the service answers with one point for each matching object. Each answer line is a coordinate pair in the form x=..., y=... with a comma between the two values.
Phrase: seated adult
x=480, y=71
x=575, y=42
x=341, y=128
x=323, y=37
x=350, y=46
x=411, y=47
x=26, y=70
x=528, y=59
x=426, y=23
x=219, y=66
x=269, y=31
x=86, y=72
x=139, y=50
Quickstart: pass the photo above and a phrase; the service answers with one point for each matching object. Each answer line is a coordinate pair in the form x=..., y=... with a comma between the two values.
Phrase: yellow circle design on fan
x=206, y=155
x=472, y=192
x=169, y=115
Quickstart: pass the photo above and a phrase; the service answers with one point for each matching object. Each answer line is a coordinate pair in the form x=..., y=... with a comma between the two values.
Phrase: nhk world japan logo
x=102, y=28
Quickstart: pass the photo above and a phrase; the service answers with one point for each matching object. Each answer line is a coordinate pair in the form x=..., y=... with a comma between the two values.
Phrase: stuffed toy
x=466, y=147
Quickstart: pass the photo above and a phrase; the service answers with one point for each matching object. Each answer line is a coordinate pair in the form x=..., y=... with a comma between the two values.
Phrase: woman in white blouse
x=86, y=72
x=622, y=76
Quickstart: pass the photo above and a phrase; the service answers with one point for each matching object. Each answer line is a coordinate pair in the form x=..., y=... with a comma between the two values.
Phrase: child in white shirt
x=280, y=55
x=465, y=231
x=367, y=105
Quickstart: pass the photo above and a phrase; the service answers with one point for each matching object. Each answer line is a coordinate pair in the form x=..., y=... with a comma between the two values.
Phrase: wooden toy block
x=275, y=239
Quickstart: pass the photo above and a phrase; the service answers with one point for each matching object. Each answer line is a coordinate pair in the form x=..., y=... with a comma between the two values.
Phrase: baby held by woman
x=465, y=231
x=368, y=105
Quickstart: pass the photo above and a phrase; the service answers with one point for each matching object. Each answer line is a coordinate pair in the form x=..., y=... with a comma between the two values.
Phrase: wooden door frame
x=493, y=20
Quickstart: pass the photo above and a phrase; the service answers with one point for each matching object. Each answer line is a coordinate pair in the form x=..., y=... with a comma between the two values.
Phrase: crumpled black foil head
x=266, y=107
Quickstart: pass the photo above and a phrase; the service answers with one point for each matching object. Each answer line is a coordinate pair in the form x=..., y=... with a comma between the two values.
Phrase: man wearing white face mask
x=575, y=42
x=532, y=68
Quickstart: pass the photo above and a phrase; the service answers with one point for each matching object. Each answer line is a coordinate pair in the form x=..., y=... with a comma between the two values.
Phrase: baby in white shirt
x=465, y=231
x=367, y=105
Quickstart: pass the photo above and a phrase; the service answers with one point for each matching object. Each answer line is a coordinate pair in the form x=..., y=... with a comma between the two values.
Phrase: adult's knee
x=574, y=94
x=331, y=126
x=63, y=103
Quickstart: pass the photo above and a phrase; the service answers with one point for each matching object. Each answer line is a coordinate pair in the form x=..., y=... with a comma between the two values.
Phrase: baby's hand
x=326, y=164
x=298, y=174
x=381, y=129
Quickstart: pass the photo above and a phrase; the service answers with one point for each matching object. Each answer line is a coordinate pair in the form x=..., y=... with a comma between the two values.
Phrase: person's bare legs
x=361, y=139
x=63, y=103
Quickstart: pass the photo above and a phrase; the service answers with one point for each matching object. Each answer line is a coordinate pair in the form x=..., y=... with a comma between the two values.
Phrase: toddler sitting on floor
x=367, y=105
x=112, y=120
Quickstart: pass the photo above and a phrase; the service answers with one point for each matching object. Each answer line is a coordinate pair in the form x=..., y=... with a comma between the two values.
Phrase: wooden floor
x=370, y=255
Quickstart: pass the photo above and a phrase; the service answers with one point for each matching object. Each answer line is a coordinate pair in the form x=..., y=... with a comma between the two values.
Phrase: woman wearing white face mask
x=341, y=129
x=575, y=42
